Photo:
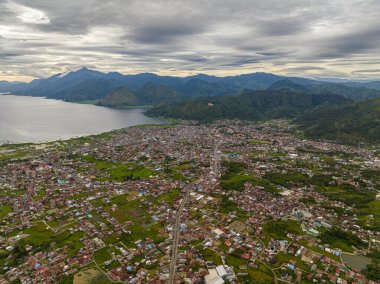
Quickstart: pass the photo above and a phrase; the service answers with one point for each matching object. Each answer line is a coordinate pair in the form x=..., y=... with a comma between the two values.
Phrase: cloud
x=369, y=71
x=26, y=14
x=34, y=72
x=168, y=32
x=306, y=68
x=297, y=37
x=353, y=42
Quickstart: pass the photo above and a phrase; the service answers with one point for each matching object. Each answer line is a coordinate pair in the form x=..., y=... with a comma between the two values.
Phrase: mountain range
x=84, y=84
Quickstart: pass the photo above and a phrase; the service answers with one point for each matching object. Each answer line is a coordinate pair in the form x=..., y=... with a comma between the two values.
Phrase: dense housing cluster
x=247, y=203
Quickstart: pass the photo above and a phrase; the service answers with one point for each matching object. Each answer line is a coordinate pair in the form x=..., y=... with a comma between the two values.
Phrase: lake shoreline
x=28, y=119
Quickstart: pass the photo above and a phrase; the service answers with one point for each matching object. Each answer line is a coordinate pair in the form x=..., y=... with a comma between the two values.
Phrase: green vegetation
x=69, y=279
x=235, y=182
x=348, y=194
x=4, y=210
x=150, y=94
x=363, y=201
x=40, y=235
x=279, y=229
x=227, y=206
x=89, y=102
x=173, y=174
x=285, y=258
x=210, y=255
x=351, y=92
x=364, y=211
x=373, y=271
x=351, y=123
x=257, y=141
x=283, y=179
x=261, y=275
x=126, y=209
x=137, y=106
x=13, y=156
x=134, y=210
x=120, y=172
x=235, y=261
x=41, y=238
x=370, y=173
x=249, y=105
x=234, y=178
x=341, y=239
x=168, y=197
x=104, y=254
x=71, y=241
x=154, y=126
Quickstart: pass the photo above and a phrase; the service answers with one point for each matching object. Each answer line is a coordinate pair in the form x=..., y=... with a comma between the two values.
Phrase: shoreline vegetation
x=96, y=103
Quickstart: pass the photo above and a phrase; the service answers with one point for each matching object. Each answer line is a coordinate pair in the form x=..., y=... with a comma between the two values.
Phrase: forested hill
x=249, y=105
x=149, y=94
x=351, y=123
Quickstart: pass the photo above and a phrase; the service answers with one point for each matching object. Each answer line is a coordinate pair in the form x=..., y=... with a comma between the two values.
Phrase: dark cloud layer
x=222, y=37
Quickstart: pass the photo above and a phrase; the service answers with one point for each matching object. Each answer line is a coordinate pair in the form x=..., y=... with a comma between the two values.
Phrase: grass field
x=235, y=261
x=279, y=229
x=104, y=254
x=118, y=171
x=18, y=155
x=4, y=210
x=235, y=182
x=261, y=275
x=90, y=276
x=168, y=197
x=257, y=141
x=41, y=237
x=135, y=211
x=210, y=255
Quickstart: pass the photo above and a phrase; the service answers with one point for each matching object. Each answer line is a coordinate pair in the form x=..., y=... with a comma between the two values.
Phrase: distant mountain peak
x=61, y=75
x=287, y=84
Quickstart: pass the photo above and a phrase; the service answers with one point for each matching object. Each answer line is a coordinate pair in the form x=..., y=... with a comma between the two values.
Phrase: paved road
x=216, y=159
x=173, y=261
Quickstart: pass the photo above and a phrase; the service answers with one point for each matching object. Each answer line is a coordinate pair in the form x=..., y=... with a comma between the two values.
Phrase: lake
x=31, y=119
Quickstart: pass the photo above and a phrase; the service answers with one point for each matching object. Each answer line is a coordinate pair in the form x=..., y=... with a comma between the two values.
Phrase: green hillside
x=149, y=94
x=351, y=123
x=120, y=97
x=354, y=93
x=249, y=105
x=152, y=94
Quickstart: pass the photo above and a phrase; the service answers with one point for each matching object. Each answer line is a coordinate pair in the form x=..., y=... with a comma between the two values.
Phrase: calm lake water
x=31, y=119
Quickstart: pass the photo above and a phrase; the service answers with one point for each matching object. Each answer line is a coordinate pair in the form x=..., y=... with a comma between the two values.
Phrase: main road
x=216, y=161
x=173, y=261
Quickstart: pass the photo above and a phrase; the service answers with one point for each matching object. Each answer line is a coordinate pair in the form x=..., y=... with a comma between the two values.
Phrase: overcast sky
x=324, y=38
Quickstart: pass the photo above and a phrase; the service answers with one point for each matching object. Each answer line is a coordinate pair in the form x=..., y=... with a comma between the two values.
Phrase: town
x=227, y=202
